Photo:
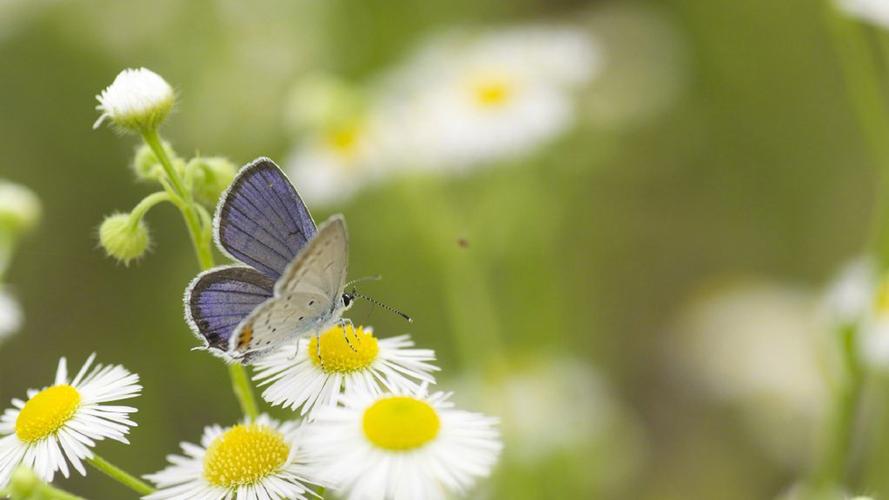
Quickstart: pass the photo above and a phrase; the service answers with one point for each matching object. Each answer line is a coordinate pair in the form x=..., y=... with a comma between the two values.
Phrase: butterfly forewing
x=307, y=296
x=218, y=300
x=261, y=220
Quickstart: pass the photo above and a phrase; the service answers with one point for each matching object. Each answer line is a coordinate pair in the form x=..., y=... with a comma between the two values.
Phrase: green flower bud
x=19, y=208
x=137, y=101
x=23, y=483
x=123, y=238
x=319, y=100
x=147, y=167
x=210, y=177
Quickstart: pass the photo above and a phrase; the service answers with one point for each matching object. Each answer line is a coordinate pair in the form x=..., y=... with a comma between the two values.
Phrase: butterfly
x=291, y=277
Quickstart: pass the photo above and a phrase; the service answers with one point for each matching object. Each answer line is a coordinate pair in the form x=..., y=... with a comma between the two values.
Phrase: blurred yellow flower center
x=343, y=353
x=46, y=412
x=344, y=139
x=400, y=423
x=493, y=92
x=882, y=299
x=243, y=455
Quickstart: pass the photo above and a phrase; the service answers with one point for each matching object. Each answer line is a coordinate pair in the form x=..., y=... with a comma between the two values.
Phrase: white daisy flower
x=338, y=159
x=137, y=100
x=253, y=460
x=408, y=446
x=316, y=377
x=492, y=97
x=872, y=11
x=10, y=315
x=61, y=423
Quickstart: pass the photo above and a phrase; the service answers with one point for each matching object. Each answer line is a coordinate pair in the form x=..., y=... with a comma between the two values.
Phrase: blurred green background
x=752, y=164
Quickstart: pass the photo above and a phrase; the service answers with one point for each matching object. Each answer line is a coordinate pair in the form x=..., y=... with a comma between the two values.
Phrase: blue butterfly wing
x=219, y=299
x=261, y=220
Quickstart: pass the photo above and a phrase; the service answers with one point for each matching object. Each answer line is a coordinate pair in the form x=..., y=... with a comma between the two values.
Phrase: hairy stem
x=119, y=475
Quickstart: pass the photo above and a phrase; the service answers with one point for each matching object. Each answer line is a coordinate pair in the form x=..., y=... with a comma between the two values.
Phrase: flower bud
x=318, y=100
x=210, y=177
x=24, y=483
x=148, y=167
x=19, y=208
x=123, y=238
x=138, y=100
x=10, y=315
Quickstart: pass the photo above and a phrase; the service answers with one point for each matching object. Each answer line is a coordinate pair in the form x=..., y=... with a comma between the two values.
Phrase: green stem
x=829, y=474
x=243, y=390
x=203, y=250
x=147, y=203
x=470, y=304
x=865, y=91
x=199, y=225
x=120, y=475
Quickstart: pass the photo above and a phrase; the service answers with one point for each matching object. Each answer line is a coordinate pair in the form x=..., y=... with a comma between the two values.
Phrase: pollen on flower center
x=344, y=353
x=400, y=423
x=244, y=454
x=492, y=93
x=46, y=412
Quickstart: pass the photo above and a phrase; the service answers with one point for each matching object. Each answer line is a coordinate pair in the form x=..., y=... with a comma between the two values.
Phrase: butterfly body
x=293, y=279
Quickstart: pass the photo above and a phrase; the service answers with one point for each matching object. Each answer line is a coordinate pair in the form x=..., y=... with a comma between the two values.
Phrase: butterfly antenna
x=375, y=277
x=376, y=302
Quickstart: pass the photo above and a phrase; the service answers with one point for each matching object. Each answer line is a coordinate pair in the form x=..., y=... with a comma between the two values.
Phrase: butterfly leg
x=318, y=350
x=342, y=323
x=296, y=351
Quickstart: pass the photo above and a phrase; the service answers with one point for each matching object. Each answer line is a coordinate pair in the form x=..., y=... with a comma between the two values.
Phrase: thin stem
x=119, y=475
x=199, y=225
x=202, y=248
x=866, y=95
x=831, y=470
x=467, y=293
x=243, y=390
x=147, y=203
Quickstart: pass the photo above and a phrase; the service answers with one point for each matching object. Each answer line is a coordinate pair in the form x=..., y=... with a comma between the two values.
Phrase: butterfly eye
x=347, y=299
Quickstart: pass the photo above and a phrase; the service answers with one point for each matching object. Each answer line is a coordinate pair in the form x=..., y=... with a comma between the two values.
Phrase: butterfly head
x=348, y=299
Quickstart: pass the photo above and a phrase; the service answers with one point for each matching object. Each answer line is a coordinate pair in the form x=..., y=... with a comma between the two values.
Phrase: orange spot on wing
x=245, y=337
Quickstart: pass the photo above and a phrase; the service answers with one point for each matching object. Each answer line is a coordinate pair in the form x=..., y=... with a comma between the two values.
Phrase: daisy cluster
x=370, y=429
x=462, y=100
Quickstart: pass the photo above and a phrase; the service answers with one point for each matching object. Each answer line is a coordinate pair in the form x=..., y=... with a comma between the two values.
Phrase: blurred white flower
x=873, y=11
x=754, y=344
x=335, y=160
x=461, y=100
x=403, y=446
x=317, y=375
x=10, y=315
x=59, y=425
x=249, y=461
x=529, y=398
x=137, y=100
x=850, y=297
x=19, y=207
x=533, y=395
x=482, y=98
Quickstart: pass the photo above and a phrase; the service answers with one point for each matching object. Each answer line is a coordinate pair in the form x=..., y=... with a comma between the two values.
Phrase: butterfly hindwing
x=261, y=220
x=218, y=300
x=307, y=297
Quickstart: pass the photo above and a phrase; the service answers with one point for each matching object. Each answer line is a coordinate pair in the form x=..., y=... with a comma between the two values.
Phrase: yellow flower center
x=46, y=412
x=492, y=92
x=243, y=455
x=343, y=352
x=345, y=138
x=400, y=423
